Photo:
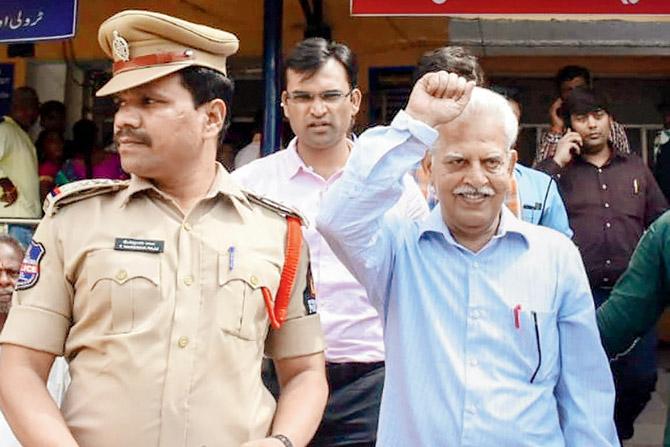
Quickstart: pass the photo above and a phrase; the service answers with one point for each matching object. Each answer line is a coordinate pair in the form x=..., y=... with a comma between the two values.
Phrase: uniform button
x=475, y=264
x=608, y=262
x=253, y=280
x=121, y=275
x=182, y=342
x=474, y=362
x=607, y=205
x=608, y=225
x=475, y=314
x=187, y=226
x=188, y=280
x=606, y=280
x=600, y=171
x=471, y=409
x=604, y=186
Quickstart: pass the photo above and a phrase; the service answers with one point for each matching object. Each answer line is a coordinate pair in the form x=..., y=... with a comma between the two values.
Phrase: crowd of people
x=411, y=285
x=30, y=170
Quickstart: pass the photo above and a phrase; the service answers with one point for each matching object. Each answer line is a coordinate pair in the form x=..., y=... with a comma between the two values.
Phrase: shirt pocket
x=240, y=307
x=535, y=340
x=130, y=282
x=630, y=193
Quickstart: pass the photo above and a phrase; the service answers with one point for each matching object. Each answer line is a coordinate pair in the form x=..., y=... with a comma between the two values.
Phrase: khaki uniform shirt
x=165, y=348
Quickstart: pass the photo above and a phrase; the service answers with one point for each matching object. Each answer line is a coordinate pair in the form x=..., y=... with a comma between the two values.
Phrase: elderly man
x=164, y=291
x=475, y=357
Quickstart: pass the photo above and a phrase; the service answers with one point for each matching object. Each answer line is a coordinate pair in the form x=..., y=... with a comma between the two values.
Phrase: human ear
x=215, y=117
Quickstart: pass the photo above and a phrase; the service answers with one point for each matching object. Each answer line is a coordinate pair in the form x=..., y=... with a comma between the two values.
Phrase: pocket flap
x=121, y=267
x=253, y=271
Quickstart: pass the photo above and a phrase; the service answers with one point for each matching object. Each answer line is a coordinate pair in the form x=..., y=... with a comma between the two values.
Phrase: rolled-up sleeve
x=301, y=333
x=41, y=312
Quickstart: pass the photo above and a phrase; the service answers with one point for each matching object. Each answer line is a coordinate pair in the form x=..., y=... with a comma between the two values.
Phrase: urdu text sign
x=33, y=20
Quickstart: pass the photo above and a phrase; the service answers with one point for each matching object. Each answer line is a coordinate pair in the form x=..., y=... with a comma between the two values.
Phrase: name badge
x=143, y=245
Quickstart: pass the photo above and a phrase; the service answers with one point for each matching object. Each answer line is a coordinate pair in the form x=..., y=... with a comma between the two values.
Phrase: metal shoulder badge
x=30, y=267
x=279, y=208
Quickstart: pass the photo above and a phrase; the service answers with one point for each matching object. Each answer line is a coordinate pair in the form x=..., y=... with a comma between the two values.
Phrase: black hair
x=311, y=54
x=509, y=93
x=206, y=84
x=84, y=135
x=52, y=106
x=583, y=100
x=452, y=59
x=41, y=138
x=570, y=72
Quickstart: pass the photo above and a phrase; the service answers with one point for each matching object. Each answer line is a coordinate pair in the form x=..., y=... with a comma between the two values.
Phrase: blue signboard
x=32, y=20
x=6, y=86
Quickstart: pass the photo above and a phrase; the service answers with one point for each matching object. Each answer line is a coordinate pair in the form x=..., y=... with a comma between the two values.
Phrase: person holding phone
x=567, y=79
x=611, y=198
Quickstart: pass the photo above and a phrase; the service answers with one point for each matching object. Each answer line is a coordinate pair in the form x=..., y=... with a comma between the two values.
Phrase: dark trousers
x=634, y=376
x=352, y=411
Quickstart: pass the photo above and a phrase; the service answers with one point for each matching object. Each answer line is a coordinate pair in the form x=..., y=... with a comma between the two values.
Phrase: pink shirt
x=351, y=326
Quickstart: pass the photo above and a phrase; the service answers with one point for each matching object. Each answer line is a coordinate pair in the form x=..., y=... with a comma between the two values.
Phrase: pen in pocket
x=539, y=346
x=231, y=258
x=517, y=316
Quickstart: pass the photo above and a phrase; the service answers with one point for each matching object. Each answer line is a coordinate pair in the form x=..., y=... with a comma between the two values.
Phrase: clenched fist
x=438, y=98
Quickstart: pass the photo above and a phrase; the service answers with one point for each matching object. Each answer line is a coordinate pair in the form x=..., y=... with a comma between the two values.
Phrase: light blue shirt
x=463, y=368
x=541, y=202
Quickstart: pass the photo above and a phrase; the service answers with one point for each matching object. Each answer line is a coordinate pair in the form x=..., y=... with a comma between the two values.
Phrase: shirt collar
x=616, y=154
x=509, y=224
x=223, y=184
x=295, y=164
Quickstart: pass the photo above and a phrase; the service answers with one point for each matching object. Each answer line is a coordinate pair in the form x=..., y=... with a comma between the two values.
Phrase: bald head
x=25, y=107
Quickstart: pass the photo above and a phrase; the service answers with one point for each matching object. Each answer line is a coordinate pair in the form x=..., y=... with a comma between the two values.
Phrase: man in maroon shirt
x=611, y=198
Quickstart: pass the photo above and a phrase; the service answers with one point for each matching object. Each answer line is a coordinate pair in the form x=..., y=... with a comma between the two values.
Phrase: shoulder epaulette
x=279, y=208
x=80, y=190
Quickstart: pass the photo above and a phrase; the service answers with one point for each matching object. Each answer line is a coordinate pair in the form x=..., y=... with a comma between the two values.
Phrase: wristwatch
x=284, y=440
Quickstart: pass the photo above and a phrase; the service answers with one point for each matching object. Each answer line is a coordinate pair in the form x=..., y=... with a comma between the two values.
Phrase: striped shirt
x=494, y=348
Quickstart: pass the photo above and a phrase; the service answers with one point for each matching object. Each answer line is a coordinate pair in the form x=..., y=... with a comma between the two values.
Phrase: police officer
x=164, y=291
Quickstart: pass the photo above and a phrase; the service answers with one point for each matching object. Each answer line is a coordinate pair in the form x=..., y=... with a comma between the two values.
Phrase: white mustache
x=470, y=190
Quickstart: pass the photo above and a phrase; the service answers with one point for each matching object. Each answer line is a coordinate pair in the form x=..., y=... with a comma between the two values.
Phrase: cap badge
x=121, y=48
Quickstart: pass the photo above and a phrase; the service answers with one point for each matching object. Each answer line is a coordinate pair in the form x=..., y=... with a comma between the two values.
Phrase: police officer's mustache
x=132, y=135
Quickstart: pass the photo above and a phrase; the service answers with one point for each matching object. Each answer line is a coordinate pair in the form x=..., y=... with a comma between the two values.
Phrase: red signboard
x=509, y=7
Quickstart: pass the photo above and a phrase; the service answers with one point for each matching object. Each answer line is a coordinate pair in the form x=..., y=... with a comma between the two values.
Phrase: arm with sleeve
x=301, y=332
x=555, y=216
x=41, y=314
x=585, y=389
x=641, y=294
x=351, y=218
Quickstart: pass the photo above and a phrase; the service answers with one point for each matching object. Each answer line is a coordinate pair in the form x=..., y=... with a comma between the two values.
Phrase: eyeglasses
x=328, y=96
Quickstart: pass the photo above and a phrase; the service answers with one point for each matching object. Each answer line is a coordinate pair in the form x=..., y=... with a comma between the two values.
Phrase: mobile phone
x=573, y=151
